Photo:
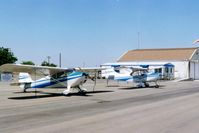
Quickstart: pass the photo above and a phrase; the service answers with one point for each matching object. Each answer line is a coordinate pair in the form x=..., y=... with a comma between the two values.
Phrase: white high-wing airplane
x=139, y=75
x=54, y=76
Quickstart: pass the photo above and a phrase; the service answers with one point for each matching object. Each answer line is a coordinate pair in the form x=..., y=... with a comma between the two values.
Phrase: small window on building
x=166, y=70
x=159, y=70
x=171, y=70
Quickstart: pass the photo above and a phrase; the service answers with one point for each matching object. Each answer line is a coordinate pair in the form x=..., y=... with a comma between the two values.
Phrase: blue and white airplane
x=138, y=75
x=53, y=77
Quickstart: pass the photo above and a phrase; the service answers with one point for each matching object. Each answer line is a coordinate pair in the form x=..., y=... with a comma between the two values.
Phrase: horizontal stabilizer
x=15, y=84
x=25, y=78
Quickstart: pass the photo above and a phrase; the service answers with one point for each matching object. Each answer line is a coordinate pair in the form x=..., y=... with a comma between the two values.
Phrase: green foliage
x=6, y=56
x=28, y=63
x=45, y=63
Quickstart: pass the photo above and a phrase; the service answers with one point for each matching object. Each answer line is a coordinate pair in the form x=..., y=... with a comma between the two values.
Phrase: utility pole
x=48, y=57
x=59, y=59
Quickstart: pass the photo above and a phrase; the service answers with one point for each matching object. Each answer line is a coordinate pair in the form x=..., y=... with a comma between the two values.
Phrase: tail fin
x=25, y=78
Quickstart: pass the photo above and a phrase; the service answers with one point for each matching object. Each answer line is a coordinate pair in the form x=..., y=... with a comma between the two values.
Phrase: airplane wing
x=38, y=70
x=44, y=70
x=89, y=69
x=134, y=69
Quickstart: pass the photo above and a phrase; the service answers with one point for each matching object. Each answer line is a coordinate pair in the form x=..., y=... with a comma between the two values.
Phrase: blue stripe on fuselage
x=137, y=77
x=49, y=82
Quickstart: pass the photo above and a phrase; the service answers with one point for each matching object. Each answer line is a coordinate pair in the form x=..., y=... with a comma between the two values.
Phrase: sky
x=92, y=32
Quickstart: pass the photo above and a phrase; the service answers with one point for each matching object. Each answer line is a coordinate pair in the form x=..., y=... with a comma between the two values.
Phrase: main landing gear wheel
x=157, y=86
x=66, y=92
x=82, y=93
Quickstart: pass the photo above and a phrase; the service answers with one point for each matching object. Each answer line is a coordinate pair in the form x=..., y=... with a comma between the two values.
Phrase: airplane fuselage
x=72, y=80
x=138, y=78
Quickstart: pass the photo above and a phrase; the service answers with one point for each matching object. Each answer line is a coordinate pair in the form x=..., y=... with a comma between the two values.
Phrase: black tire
x=157, y=86
x=82, y=93
x=146, y=84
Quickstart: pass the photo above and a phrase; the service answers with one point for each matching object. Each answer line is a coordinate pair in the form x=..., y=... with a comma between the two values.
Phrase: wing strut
x=35, y=82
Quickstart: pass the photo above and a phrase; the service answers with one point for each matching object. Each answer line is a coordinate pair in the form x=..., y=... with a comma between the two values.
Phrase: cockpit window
x=62, y=74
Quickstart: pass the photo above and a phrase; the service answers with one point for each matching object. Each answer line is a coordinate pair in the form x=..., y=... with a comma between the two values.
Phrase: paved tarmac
x=172, y=108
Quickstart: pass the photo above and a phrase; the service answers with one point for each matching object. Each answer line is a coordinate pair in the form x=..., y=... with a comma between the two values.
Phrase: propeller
x=94, y=79
x=93, y=71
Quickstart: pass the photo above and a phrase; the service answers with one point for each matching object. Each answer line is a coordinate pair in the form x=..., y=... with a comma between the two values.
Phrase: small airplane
x=54, y=77
x=139, y=75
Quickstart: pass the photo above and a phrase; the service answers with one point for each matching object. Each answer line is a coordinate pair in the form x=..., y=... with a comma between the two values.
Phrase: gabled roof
x=158, y=54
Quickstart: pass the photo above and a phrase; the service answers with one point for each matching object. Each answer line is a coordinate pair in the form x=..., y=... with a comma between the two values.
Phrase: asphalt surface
x=172, y=108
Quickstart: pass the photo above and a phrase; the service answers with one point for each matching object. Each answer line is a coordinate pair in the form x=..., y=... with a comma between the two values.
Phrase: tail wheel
x=146, y=84
x=24, y=90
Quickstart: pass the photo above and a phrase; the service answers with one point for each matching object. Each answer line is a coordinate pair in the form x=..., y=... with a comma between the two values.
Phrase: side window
x=57, y=75
x=66, y=73
x=61, y=74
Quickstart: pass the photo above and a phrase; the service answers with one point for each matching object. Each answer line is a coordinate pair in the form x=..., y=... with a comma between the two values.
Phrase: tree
x=6, y=56
x=45, y=63
x=27, y=63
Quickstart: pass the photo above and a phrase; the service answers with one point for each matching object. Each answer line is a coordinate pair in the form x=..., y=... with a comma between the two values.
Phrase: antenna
x=138, y=40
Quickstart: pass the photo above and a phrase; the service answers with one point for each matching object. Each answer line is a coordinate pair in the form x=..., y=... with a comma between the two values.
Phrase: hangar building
x=172, y=63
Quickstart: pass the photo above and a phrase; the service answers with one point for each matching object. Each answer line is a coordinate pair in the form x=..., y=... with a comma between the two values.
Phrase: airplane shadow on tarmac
x=41, y=94
x=136, y=88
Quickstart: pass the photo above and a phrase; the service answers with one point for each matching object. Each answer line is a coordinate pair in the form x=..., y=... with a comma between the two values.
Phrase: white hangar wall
x=194, y=70
x=181, y=69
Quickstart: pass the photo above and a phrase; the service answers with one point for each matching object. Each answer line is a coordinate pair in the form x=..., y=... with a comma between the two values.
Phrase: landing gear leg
x=141, y=85
x=24, y=90
x=146, y=84
x=156, y=85
x=66, y=92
